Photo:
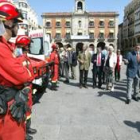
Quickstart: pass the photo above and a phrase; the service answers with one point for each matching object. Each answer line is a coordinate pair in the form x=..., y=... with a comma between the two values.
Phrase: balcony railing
x=111, y=26
x=111, y=38
x=101, y=26
x=101, y=38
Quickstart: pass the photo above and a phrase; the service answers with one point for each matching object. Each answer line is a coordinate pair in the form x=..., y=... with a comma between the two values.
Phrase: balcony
x=48, y=27
x=101, y=39
x=130, y=23
x=101, y=26
x=111, y=26
x=130, y=34
x=91, y=26
x=111, y=38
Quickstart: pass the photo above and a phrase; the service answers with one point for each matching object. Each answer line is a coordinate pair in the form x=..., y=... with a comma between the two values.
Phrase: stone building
x=81, y=26
x=131, y=25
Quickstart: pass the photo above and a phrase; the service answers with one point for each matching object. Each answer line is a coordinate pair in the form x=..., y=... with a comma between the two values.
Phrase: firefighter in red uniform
x=23, y=42
x=13, y=76
x=54, y=57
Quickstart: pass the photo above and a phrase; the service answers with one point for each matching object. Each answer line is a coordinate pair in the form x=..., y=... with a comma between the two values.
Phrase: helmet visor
x=2, y=28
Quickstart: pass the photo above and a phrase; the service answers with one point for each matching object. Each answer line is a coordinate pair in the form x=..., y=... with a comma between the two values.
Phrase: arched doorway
x=79, y=47
x=59, y=44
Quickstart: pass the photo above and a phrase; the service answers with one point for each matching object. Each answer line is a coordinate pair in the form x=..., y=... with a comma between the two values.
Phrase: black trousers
x=97, y=73
x=83, y=77
x=117, y=74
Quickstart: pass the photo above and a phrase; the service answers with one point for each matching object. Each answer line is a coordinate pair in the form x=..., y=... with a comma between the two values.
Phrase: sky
x=42, y=6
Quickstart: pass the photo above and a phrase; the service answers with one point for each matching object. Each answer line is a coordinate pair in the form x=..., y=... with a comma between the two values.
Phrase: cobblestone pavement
x=86, y=114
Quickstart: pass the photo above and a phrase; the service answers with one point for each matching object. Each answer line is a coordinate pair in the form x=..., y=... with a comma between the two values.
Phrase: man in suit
x=84, y=59
x=98, y=60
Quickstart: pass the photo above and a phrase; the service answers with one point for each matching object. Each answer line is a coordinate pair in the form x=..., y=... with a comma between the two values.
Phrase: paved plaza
x=72, y=113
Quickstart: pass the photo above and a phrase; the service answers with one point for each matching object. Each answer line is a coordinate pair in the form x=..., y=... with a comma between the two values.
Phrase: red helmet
x=23, y=40
x=54, y=46
x=8, y=12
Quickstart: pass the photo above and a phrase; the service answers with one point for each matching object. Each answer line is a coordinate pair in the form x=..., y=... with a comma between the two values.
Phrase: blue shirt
x=133, y=66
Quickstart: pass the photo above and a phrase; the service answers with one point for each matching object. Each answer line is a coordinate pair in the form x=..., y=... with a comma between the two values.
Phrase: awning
x=112, y=19
x=91, y=19
x=58, y=31
x=68, y=20
x=102, y=31
x=48, y=20
x=48, y=32
x=91, y=31
x=68, y=31
x=58, y=20
x=111, y=31
x=102, y=19
x=79, y=31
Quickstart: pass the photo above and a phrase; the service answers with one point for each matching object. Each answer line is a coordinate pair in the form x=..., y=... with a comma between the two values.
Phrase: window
x=67, y=35
x=58, y=24
x=58, y=36
x=24, y=15
x=36, y=46
x=101, y=23
x=91, y=35
x=67, y=24
x=111, y=35
x=111, y=23
x=91, y=24
x=22, y=4
x=101, y=35
x=79, y=6
x=48, y=24
x=79, y=23
x=79, y=33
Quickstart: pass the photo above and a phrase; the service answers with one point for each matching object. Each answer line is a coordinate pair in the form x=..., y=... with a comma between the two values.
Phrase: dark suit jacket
x=94, y=60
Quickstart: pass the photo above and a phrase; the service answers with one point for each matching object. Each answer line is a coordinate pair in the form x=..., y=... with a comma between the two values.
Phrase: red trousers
x=10, y=129
x=55, y=74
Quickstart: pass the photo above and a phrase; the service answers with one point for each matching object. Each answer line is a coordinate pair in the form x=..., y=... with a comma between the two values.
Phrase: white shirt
x=112, y=60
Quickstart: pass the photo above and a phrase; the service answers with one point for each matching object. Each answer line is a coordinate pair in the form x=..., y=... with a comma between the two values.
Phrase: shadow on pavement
x=133, y=125
x=120, y=88
x=116, y=94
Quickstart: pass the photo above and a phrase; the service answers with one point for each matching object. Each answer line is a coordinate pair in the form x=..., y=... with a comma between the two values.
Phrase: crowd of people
x=106, y=64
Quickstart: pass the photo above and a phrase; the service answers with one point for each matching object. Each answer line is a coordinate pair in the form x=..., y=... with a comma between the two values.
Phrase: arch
x=79, y=47
x=79, y=5
x=59, y=44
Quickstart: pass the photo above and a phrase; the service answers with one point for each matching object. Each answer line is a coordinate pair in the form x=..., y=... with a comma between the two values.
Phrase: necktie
x=99, y=59
x=138, y=57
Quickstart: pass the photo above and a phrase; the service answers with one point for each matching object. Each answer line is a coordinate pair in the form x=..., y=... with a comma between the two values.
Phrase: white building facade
x=30, y=21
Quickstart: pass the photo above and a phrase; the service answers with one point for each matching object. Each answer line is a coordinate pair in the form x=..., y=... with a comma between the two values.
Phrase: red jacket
x=54, y=57
x=12, y=72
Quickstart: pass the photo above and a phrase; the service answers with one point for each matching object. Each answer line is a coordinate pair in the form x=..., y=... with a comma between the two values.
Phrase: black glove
x=19, y=107
x=3, y=105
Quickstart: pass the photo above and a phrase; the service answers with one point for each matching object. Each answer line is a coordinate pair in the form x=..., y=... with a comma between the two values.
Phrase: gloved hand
x=19, y=107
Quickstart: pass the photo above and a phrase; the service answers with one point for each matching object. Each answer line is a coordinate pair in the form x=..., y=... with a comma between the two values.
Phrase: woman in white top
x=118, y=66
x=110, y=65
